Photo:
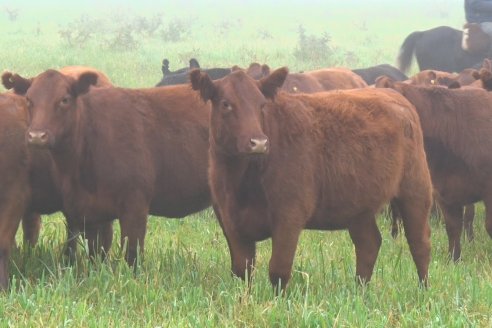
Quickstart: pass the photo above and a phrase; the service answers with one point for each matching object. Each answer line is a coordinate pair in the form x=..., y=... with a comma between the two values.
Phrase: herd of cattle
x=273, y=152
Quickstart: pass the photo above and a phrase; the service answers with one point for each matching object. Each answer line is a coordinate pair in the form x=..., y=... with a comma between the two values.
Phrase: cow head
x=51, y=100
x=485, y=76
x=237, y=104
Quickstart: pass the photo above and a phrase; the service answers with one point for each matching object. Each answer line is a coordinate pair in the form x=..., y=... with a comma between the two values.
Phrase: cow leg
x=488, y=216
x=243, y=254
x=8, y=228
x=284, y=244
x=10, y=217
x=242, y=251
x=453, y=219
x=31, y=225
x=367, y=240
x=73, y=232
x=468, y=217
x=99, y=237
x=133, y=225
x=415, y=215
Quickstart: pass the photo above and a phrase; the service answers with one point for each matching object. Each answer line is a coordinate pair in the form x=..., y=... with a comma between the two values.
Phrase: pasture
x=185, y=280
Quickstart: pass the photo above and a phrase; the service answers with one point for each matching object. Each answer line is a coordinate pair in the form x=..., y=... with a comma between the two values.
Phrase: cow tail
x=406, y=51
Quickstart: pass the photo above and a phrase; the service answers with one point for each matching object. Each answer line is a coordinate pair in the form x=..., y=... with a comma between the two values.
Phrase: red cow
x=283, y=163
x=120, y=153
x=46, y=198
x=456, y=124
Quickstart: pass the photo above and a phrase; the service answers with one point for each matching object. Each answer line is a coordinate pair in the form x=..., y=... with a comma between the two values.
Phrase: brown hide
x=301, y=83
x=255, y=70
x=469, y=78
x=433, y=77
x=323, y=80
x=457, y=127
x=38, y=194
x=338, y=78
x=331, y=161
x=75, y=71
x=14, y=175
x=122, y=153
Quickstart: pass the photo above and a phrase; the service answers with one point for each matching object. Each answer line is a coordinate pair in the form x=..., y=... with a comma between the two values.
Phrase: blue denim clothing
x=478, y=11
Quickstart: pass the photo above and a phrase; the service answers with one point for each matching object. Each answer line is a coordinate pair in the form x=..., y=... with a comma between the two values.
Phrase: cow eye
x=65, y=101
x=226, y=106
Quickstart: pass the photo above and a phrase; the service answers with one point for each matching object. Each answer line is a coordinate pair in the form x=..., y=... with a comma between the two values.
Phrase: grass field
x=185, y=280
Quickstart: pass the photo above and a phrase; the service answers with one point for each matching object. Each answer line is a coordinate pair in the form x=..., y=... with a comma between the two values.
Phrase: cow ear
x=16, y=82
x=384, y=81
x=194, y=63
x=201, y=82
x=236, y=68
x=486, y=77
x=431, y=75
x=83, y=83
x=271, y=83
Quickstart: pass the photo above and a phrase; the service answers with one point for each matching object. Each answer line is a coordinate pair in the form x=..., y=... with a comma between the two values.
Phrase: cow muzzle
x=258, y=145
x=37, y=138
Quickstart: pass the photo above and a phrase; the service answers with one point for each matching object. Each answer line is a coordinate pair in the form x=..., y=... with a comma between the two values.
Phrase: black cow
x=370, y=74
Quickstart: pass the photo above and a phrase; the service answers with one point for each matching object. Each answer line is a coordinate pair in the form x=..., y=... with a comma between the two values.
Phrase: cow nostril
x=258, y=145
x=37, y=137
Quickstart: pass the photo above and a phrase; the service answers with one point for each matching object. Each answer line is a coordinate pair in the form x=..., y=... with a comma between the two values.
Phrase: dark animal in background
x=166, y=72
x=370, y=74
x=120, y=153
x=457, y=127
x=439, y=49
x=281, y=163
x=181, y=76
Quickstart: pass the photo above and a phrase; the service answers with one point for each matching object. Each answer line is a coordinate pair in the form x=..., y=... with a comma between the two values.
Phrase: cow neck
x=68, y=155
x=239, y=170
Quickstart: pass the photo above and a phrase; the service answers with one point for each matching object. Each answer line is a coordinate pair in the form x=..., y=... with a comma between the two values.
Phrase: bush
x=313, y=48
x=177, y=30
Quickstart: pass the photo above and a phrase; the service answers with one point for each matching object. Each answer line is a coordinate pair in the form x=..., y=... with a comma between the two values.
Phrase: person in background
x=480, y=11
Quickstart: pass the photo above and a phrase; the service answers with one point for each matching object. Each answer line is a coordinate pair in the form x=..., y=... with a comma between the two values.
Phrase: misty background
x=129, y=39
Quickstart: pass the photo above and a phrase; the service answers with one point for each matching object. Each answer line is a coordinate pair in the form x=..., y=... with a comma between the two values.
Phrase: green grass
x=184, y=279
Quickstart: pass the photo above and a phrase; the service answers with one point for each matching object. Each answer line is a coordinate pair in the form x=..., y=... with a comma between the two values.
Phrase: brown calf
x=320, y=161
x=457, y=125
x=120, y=153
